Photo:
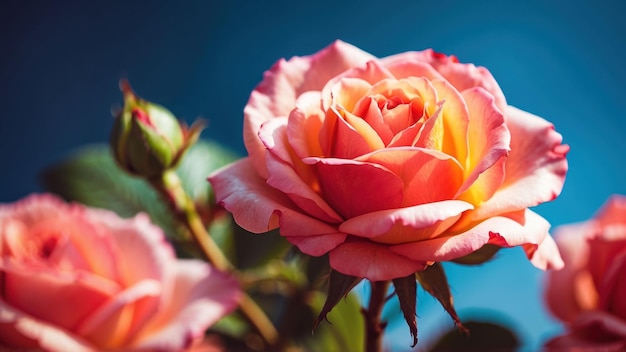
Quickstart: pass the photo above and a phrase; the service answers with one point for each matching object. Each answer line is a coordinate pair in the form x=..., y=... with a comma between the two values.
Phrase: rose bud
x=147, y=139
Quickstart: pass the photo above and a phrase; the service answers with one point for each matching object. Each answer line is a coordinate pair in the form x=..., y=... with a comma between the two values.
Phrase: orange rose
x=391, y=164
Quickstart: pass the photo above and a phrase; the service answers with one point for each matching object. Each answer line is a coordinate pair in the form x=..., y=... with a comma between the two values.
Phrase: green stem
x=170, y=186
x=373, y=325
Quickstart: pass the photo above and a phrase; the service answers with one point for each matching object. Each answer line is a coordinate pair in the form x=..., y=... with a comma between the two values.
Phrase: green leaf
x=198, y=162
x=253, y=250
x=485, y=336
x=91, y=176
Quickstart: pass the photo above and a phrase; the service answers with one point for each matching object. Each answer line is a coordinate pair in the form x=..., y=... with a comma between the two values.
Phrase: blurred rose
x=391, y=164
x=589, y=294
x=80, y=279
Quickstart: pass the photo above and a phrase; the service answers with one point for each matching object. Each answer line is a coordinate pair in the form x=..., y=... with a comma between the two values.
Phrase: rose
x=391, y=164
x=589, y=293
x=81, y=279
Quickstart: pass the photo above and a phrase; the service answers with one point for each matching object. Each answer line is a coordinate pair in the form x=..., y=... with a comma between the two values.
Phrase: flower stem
x=373, y=325
x=170, y=186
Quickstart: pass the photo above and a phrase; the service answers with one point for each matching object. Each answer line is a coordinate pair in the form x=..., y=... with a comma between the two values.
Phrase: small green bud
x=146, y=138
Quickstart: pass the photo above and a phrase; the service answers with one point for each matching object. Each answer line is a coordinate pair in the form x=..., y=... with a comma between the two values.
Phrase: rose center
x=47, y=246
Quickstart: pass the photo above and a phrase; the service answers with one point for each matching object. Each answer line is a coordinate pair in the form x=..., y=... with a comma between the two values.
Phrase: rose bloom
x=74, y=278
x=589, y=294
x=391, y=164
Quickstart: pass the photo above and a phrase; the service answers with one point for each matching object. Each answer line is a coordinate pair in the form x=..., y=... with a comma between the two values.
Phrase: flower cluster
x=375, y=169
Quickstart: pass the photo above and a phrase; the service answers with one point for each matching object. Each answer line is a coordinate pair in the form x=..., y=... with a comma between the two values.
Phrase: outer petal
x=462, y=76
x=535, y=169
x=612, y=212
x=33, y=208
x=257, y=207
x=609, y=323
x=115, y=322
x=276, y=95
x=284, y=178
x=372, y=72
x=591, y=332
x=86, y=292
x=575, y=342
x=20, y=330
x=499, y=230
x=544, y=256
x=201, y=296
x=374, y=262
x=406, y=224
x=317, y=245
x=142, y=250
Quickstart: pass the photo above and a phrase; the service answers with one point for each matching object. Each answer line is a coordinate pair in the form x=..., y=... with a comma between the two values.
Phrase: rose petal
x=317, y=245
x=546, y=256
x=347, y=92
x=276, y=95
x=535, y=168
x=119, y=319
x=456, y=119
x=346, y=136
x=489, y=140
x=578, y=343
x=33, y=333
x=284, y=178
x=402, y=66
x=367, y=108
x=405, y=101
x=201, y=296
x=462, y=76
x=142, y=249
x=273, y=134
x=408, y=224
x=605, y=321
x=422, y=134
x=500, y=230
x=374, y=262
x=257, y=207
x=353, y=188
x=428, y=175
x=612, y=212
x=563, y=288
x=371, y=72
x=612, y=284
x=85, y=291
x=305, y=123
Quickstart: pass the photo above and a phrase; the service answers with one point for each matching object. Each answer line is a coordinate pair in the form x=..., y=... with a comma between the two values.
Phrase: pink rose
x=74, y=278
x=589, y=294
x=391, y=164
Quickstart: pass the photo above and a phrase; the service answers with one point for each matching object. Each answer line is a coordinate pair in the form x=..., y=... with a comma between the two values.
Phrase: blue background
x=60, y=65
